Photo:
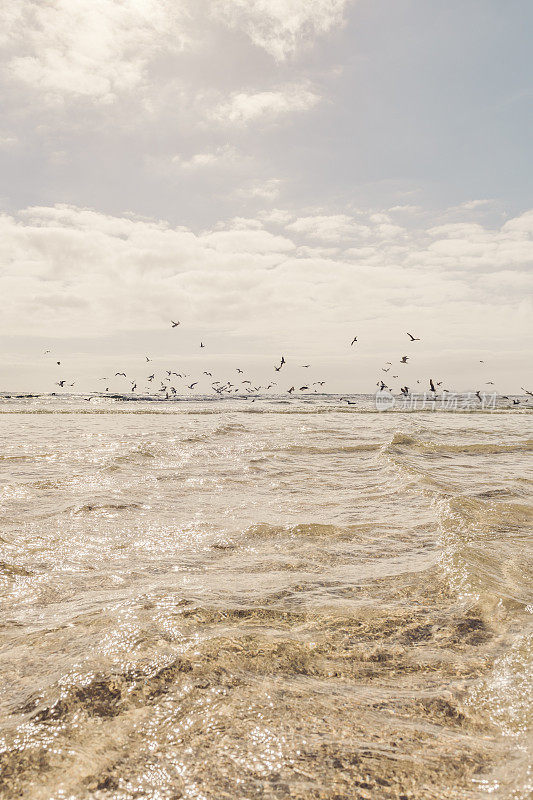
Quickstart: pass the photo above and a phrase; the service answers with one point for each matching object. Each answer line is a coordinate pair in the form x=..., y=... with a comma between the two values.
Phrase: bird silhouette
x=413, y=338
x=175, y=324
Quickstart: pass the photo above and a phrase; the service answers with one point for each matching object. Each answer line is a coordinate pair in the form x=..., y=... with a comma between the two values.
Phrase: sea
x=265, y=598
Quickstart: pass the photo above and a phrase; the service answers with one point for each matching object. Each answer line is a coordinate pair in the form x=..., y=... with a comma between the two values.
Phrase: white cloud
x=96, y=49
x=244, y=107
x=68, y=270
x=100, y=50
x=281, y=26
x=267, y=190
x=217, y=157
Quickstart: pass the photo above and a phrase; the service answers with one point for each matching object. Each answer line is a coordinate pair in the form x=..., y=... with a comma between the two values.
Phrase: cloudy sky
x=279, y=175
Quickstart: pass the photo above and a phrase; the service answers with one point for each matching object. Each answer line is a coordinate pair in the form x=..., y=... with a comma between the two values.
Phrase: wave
x=405, y=441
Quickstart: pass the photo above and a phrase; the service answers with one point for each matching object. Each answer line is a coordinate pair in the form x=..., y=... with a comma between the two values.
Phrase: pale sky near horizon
x=280, y=176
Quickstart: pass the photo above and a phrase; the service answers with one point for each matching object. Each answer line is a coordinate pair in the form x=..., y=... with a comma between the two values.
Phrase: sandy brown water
x=279, y=601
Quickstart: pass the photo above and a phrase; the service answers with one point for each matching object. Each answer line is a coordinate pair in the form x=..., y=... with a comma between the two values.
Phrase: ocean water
x=230, y=600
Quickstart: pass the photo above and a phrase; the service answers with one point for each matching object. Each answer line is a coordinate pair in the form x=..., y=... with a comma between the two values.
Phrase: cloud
x=223, y=155
x=244, y=107
x=101, y=50
x=96, y=49
x=73, y=271
x=281, y=27
x=267, y=190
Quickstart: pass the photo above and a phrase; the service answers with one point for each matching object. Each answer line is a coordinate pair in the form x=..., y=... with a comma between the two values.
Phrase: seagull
x=526, y=391
x=404, y=360
x=174, y=324
x=147, y=359
x=305, y=366
x=303, y=387
x=58, y=363
x=479, y=396
x=45, y=352
x=208, y=373
x=413, y=338
x=490, y=383
x=385, y=370
x=202, y=344
x=291, y=390
x=432, y=385
x=239, y=371
x=120, y=373
x=60, y=383
x=133, y=387
x=151, y=377
x=516, y=402
x=192, y=385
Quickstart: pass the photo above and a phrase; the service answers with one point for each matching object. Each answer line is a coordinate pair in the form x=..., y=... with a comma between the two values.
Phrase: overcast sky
x=280, y=176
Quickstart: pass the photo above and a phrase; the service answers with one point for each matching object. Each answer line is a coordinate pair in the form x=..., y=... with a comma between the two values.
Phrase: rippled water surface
x=298, y=600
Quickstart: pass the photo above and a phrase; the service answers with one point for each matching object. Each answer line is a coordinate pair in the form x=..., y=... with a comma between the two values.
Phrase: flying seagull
x=291, y=390
x=147, y=359
x=432, y=385
x=192, y=385
x=353, y=341
x=120, y=373
x=413, y=338
x=404, y=359
x=174, y=324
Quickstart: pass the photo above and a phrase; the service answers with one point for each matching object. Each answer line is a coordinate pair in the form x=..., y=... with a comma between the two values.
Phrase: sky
x=279, y=176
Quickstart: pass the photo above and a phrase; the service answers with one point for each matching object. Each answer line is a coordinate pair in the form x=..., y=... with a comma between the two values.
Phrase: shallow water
x=306, y=601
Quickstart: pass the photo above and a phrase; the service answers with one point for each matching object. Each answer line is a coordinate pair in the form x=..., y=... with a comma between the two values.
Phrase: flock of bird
x=245, y=387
